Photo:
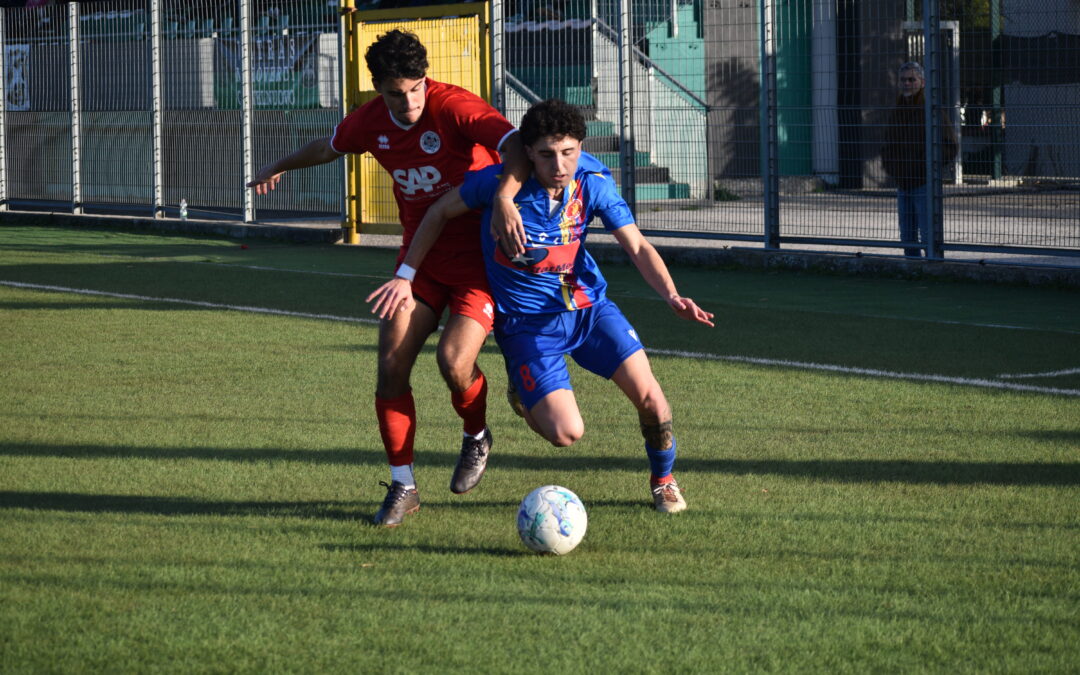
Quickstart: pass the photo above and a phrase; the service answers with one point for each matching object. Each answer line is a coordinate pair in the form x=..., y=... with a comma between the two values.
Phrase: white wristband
x=405, y=272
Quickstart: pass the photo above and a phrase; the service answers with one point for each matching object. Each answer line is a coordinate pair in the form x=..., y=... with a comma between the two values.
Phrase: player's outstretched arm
x=506, y=225
x=316, y=152
x=397, y=293
x=655, y=272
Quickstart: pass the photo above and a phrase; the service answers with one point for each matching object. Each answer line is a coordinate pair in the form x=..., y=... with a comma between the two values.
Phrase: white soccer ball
x=552, y=519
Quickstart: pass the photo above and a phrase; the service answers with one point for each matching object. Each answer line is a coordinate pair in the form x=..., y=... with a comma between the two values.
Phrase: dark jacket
x=904, y=154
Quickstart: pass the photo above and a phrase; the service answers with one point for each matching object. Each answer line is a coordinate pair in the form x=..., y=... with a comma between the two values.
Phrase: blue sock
x=661, y=461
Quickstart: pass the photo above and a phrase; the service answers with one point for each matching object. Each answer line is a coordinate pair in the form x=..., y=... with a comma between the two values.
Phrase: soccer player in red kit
x=427, y=135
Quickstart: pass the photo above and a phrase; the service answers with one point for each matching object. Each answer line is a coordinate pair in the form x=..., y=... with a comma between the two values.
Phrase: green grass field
x=186, y=478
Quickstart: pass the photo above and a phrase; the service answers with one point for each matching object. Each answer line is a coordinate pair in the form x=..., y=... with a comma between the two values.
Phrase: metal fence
x=760, y=121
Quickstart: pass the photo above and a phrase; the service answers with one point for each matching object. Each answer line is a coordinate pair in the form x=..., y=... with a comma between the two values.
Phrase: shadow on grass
x=382, y=547
x=846, y=471
x=173, y=506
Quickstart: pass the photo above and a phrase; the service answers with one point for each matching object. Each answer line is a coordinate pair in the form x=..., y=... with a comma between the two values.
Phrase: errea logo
x=421, y=178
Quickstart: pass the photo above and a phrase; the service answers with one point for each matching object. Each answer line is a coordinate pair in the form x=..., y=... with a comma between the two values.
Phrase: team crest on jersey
x=384, y=142
x=430, y=142
x=573, y=209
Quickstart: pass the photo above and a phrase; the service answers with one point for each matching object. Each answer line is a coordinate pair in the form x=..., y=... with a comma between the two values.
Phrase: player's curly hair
x=552, y=117
x=397, y=54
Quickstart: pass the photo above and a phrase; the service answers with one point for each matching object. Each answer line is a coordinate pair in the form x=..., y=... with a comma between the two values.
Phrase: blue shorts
x=599, y=338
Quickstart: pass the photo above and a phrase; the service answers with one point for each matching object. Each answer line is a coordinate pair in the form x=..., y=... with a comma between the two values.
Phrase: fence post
x=247, y=112
x=626, y=105
x=933, y=137
x=343, y=97
x=770, y=180
x=826, y=144
x=156, y=105
x=498, y=67
x=996, y=99
x=75, y=93
x=3, y=111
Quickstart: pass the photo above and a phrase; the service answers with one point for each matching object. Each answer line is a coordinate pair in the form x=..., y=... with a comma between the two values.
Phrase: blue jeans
x=914, y=218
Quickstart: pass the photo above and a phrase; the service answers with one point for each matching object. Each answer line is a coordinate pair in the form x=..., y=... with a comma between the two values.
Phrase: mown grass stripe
x=182, y=301
x=783, y=363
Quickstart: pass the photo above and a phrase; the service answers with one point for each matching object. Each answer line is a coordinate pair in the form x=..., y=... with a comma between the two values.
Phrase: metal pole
x=498, y=73
x=343, y=56
x=247, y=105
x=770, y=180
x=826, y=130
x=350, y=86
x=3, y=111
x=997, y=121
x=76, y=131
x=626, y=106
x=156, y=107
x=933, y=140
x=594, y=10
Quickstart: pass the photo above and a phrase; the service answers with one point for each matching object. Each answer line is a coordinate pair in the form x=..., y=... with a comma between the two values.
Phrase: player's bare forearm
x=450, y=205
x=655, y=272
x=397, y=293
x=314, y=153
x=506, y=225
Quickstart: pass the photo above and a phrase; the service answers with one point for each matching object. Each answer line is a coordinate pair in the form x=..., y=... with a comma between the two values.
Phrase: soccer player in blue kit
x=551, y=300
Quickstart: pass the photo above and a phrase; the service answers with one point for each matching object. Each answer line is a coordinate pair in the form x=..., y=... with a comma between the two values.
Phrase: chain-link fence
x=138, y=104
x=781, y=122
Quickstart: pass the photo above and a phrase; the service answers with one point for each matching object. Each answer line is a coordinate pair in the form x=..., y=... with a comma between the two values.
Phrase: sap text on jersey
x=420, y=178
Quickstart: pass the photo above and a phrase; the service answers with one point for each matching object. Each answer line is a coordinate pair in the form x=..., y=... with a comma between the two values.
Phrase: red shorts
x=461, y=287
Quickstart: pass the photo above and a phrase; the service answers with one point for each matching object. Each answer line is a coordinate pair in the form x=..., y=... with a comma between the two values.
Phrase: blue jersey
x=556, y=273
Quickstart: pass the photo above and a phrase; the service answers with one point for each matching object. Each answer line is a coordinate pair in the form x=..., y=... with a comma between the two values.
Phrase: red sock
x=662, y=481
x=471, y=404
x=397, y=425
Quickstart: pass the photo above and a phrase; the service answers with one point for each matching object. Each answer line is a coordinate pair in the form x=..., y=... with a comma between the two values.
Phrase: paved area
x=820, y=218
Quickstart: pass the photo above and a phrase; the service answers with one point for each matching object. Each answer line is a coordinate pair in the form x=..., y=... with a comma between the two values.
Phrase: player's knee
x=457, y=371
x=653, y=405
x=564, y=439
x=566, y=433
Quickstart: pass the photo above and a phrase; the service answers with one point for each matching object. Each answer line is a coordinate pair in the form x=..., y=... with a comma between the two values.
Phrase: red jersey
x=457, y=132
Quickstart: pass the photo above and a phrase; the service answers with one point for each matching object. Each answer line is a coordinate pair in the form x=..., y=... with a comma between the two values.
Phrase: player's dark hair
x=552, y=117
x=397, y=54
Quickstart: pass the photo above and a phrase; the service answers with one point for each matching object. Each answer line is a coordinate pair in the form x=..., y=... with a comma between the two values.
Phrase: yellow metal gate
x=457, y=38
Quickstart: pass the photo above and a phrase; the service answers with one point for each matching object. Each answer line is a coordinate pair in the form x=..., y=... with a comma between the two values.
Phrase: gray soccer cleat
x=471, y=463
x=400, y=502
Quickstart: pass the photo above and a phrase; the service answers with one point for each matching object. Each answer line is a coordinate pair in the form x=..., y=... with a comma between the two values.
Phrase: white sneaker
x=667, y=497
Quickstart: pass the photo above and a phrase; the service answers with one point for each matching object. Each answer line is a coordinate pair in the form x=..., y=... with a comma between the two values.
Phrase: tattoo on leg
x=657, y=434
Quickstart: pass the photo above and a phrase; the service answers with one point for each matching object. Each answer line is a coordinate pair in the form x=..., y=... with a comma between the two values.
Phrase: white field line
x=642, y=296
x=354, y=275
x=869, y=372
x=192, y=303
x=1052, y=373
x=783, y=363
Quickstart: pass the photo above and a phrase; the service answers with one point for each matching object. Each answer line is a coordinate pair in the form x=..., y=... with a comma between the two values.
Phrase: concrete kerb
x=698, y=253
x=219, y=228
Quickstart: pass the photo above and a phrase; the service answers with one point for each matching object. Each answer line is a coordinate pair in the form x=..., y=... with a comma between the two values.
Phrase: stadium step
x=651, y=182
